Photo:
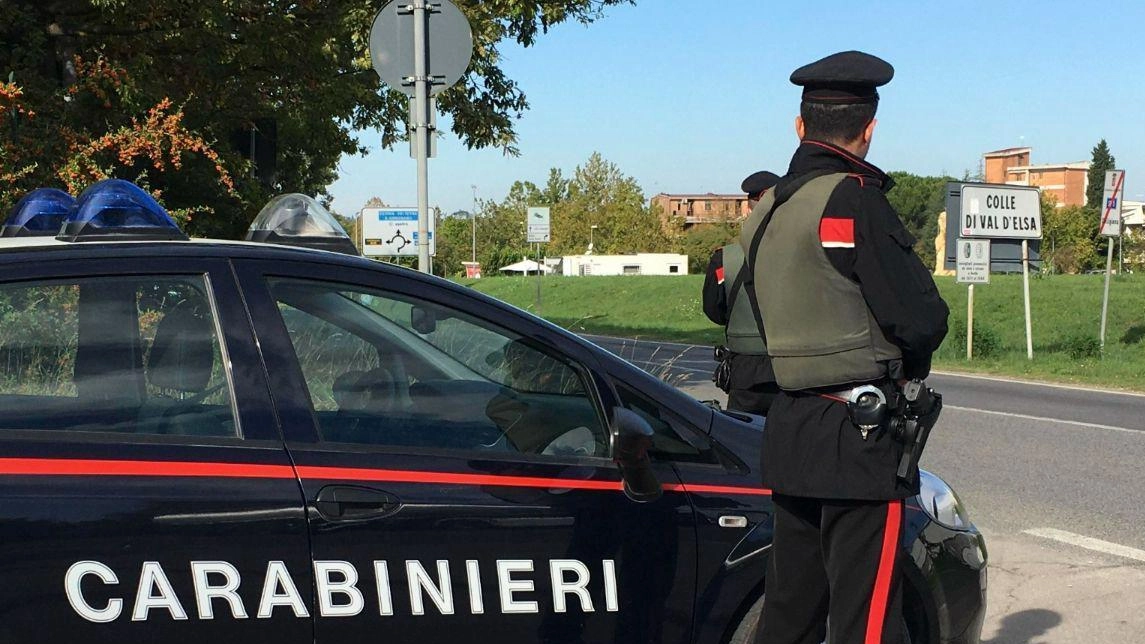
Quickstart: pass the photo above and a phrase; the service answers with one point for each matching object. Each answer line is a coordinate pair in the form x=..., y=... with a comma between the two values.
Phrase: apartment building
x=1065, y=181
x=709, y=208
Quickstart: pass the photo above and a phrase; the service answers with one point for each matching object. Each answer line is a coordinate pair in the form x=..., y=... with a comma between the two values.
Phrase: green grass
x=1066, y=320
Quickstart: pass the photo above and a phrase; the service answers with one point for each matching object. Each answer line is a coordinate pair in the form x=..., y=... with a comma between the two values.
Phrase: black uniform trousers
x=751, y=384
x=754, y=399
x=837, y=553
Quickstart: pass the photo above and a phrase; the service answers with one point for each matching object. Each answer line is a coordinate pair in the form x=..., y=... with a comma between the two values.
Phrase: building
x=1065, y=181
x=710, y=208
x=634, y=264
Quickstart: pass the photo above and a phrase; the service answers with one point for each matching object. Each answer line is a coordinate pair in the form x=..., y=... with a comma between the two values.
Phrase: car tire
x=745, y=632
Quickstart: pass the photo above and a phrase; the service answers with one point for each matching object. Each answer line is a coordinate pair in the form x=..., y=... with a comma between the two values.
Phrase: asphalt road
x=1052, y=475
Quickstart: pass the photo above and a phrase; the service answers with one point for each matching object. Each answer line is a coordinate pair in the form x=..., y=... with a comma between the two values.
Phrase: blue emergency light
x=299, y=220
x=39, y=214
x=115, y=209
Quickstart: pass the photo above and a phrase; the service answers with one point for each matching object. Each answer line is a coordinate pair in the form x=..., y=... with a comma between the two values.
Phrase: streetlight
x=590, y=229
x=473, y=216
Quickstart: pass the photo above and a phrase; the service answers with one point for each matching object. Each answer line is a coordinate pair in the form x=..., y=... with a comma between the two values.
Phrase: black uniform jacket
x=811, y=448
x=746, y=371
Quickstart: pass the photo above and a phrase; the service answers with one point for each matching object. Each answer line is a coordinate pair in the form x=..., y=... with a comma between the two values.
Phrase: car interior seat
x=180, y=364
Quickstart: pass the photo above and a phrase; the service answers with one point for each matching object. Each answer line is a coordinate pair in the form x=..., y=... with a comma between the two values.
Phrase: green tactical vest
x=742, y=333
x=819, y=330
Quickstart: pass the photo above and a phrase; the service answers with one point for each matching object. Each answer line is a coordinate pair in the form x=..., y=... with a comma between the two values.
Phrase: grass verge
x=1066, y=320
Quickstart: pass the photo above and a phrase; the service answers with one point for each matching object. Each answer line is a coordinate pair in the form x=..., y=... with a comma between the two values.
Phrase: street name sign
x=538, y=228
x=1000, y=212
x=973, y=265
x=392, y=232
x=1111, y=203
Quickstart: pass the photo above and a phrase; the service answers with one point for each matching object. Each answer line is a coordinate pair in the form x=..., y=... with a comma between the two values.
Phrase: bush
x=987, y=343
x=1080, y=347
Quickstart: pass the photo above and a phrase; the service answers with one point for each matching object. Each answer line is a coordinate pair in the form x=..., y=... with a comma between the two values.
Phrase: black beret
x=757, y=182
x=842, y=78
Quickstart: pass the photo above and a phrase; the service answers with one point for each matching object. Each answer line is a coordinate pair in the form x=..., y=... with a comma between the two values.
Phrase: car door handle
x=349, y=503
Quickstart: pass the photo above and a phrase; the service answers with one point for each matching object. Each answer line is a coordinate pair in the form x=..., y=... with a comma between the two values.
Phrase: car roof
x=16, y=249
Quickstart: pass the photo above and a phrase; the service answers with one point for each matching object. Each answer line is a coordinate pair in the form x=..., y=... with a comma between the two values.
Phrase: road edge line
x=1063, y=421
x=1088, y=543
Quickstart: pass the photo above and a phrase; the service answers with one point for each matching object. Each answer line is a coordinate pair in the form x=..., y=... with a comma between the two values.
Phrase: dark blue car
x=208, y=441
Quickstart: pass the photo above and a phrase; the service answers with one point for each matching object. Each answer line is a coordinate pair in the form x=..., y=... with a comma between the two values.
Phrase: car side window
x=403, y=372
x=113, y=354
x=668, y=443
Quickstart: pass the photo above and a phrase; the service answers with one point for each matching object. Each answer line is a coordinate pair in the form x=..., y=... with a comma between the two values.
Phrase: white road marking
x=1089, y=543
x=1075, y=423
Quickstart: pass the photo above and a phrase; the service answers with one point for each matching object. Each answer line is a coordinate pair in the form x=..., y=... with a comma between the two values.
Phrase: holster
x=722, y=376
x=917, y=410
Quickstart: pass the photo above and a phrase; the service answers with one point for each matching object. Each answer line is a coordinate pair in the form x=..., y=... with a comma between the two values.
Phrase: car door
x=144, y=486
x=455, y=461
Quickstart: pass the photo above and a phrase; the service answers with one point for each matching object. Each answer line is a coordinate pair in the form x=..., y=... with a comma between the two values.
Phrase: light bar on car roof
x=298, y=220
x=117, y=209
x=39, y=214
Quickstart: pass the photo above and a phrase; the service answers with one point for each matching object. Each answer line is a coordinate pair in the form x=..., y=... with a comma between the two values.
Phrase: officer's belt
x=844, y=395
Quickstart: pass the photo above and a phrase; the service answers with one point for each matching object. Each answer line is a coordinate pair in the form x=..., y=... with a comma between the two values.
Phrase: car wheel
x=746, y=631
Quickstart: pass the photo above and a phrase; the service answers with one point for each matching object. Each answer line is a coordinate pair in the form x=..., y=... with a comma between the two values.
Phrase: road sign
x=973, y=266
x=1000, y=211
x=538, y=225
x=392, y=45
x=1111, y=203
x=392, y=232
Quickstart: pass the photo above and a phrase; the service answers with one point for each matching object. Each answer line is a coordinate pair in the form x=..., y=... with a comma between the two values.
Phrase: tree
x=295, y=76
x=1102, y=160
x=918, y=200
x=1068, y=236
x=453, y=244
x=600, y=195
x=699, y=242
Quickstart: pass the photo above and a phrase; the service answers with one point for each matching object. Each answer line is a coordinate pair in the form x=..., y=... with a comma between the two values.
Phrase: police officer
x=744, y=371
x=844, y=302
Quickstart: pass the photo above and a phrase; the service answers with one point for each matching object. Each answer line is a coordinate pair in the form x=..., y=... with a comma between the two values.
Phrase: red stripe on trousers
x=882, y=592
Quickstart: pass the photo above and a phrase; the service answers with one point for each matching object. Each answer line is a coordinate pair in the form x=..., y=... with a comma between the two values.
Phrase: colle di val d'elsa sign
x=1000, y=211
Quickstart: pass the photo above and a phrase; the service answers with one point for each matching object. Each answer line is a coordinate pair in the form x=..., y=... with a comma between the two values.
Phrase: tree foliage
x=86, y=70
x=1102, y=160
x=599, y=194
x=1069, y=236
x=918, y=200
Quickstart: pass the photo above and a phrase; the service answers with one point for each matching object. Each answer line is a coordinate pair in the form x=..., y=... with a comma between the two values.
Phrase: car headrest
x=182, y=356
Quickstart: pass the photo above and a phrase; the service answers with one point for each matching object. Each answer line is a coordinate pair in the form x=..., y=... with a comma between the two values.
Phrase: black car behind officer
x=744, y=372
x=844, y=302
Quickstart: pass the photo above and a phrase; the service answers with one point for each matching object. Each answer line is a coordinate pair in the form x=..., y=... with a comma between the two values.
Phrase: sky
x=693, y=95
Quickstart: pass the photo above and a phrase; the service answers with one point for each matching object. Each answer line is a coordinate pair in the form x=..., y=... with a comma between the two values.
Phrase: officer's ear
x=869, y=131
x=800, y=129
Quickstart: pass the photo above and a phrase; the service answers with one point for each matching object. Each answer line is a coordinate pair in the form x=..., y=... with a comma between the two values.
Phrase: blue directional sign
x=392, y=232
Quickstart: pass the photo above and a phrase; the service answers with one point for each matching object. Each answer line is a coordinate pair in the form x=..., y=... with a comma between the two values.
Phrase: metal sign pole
x=970, y=323
x=421, y=131
x=537, y=252
x=1105, y=298
x=1026, y=295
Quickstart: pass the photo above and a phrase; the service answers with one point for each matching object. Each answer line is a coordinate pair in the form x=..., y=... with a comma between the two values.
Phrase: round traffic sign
x=449, y=45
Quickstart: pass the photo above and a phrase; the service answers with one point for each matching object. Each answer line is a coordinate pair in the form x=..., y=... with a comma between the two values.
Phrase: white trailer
x=634, y=264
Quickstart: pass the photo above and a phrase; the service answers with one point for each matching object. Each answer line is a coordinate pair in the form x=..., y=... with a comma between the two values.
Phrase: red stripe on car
x=101, y=467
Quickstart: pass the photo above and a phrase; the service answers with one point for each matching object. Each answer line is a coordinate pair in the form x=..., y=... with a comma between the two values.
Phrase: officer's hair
x=836, y=123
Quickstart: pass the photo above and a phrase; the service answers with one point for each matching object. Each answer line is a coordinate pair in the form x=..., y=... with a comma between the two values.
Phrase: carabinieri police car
x=210, y=441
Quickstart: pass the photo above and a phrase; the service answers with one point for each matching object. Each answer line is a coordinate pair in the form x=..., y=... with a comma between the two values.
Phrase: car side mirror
x=631, y=440
x=423, y=320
